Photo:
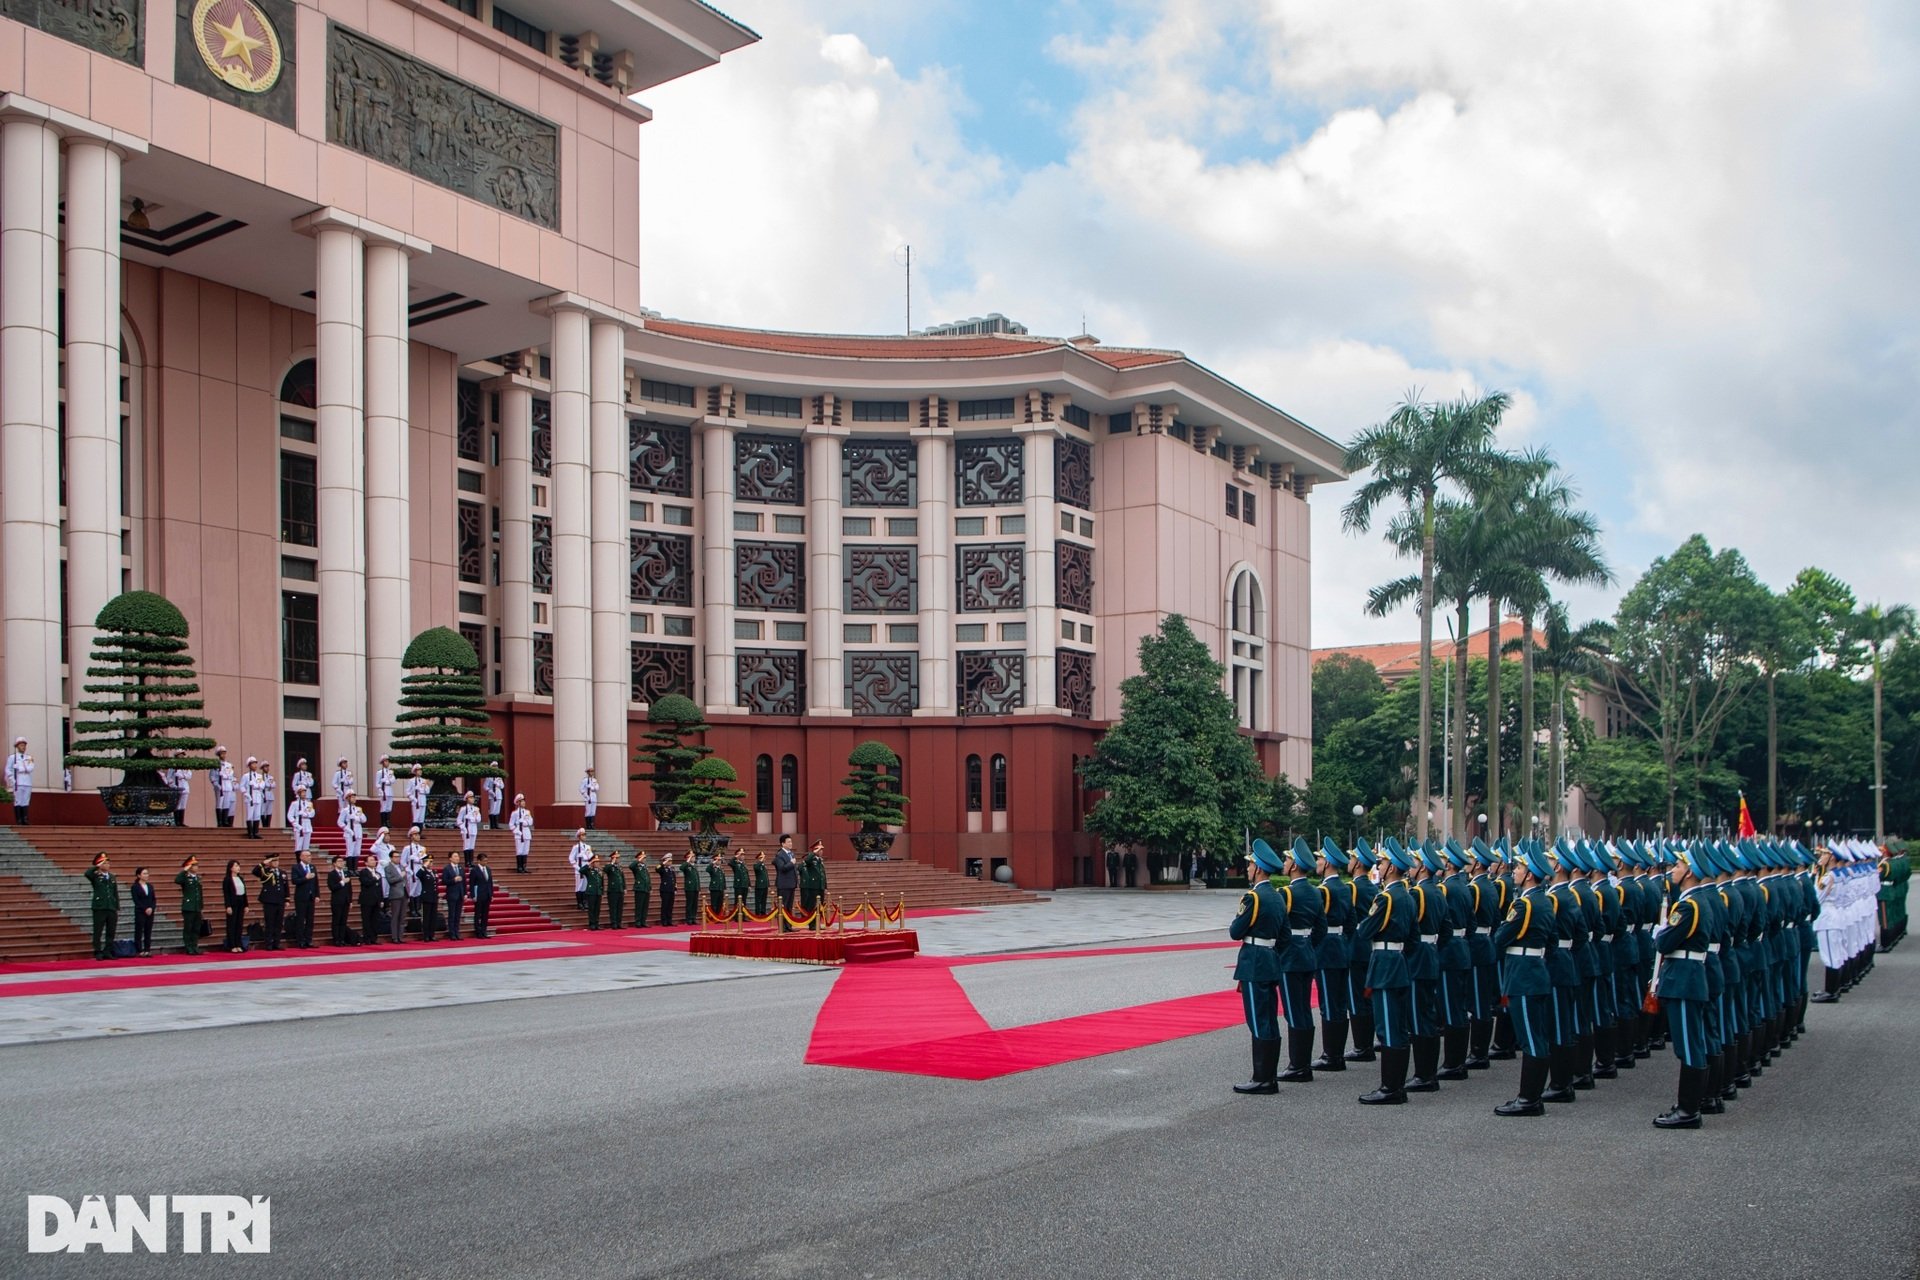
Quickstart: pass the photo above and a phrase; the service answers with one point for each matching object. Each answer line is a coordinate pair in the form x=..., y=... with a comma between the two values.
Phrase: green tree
x=1878, y=630
x=1178, y=774
x=1345, y=687
x=141, y=681
x=1567, y=654
x=1785, y=641
x=871, y=798
x=706, y=800
x=1684, y=638
x=1417, y=450
x=669, y=749
x=442, y=724
x=1826, y=606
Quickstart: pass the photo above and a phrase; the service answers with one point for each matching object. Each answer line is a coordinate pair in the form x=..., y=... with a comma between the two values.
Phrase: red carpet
x=913, y=1017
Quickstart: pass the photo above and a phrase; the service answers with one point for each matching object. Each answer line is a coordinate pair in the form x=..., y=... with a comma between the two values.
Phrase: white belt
x=1387, y=946
x=1528, y=951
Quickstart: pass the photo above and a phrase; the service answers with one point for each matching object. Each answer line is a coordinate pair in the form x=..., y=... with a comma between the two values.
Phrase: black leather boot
x=1560, y=1075
x=1533, y=1078
x=1393, y=1080
x=1604, y=1067
x=1426, y=1065
x=1454, y=1063
x=1362, y=1050
x=1710, y=1103
x=1479, y=1036
x=1333, y=1058
x=1583, y=1061
x=1266, y=1057
x=1299, y=1057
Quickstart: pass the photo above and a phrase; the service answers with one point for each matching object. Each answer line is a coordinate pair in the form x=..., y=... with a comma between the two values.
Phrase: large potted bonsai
x=141, y=682
x=669, y=750
x=705, y=801
x=443, y=723
x=872, y=799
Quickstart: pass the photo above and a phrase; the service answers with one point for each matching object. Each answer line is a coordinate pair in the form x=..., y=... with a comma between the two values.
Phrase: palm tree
x=1416, y=450
x=1567, y=653
x=1880, y=629
x=1785, y=642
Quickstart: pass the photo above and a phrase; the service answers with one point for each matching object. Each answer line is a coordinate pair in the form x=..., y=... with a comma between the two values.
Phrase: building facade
x=324, y=321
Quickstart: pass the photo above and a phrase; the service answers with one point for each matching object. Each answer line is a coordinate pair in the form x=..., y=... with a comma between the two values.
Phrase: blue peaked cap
x=1303, y=857
x=1336, y=856
x=1266, y=859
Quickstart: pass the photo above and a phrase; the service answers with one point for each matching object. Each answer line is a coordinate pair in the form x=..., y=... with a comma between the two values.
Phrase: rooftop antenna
x=906, y=256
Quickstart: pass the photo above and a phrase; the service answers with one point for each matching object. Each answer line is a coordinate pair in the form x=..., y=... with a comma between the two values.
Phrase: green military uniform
x=739, y=868
x=690, y=885
x=616, y=892
x=642, y=890
x=760, y=888
x=716, y=888
x=106, y=910
x=596, y=887
x=813, y=886
x=190, y=900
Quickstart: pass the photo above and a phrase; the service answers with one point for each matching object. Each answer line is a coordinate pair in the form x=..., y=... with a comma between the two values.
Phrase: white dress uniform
x=383, y=790
x=253, y=794
x=300, y=823
x=20, y=778
x=579, y=856
x=468, y=820
x=417, y=789
x=270, y=796
x=342, y=783
x=224, y=787
x=303, y=780
x=412, y=858
x=380, y=851
x=590, y=796
x=521, y=824
x=183, y=788
x=495, y=789
x=352, y=822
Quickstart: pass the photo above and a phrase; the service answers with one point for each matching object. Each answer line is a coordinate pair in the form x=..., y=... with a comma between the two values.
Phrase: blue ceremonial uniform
x=1383, y=933
x=1261, y=918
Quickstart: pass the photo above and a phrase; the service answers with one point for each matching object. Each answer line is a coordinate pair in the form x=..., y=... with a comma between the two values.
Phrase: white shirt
x=351, y=820
x=590, y=791
x=19, y=771
x=300, y=813
x=417, y=789
x=223, y=782
x=468, y=820
x=521, y=823
x=410, y=858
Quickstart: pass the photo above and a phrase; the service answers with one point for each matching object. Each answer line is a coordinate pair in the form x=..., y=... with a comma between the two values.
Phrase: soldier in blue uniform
x=1563, y=969
x=1591, y=961
x=1262, y=916
x=1490, y=894
x=1604, y=918
x=1525, y=937
x=1300, y=961
x=1340, y=904
x=1691, y=927
x=1383, y=935
x=1456, y=961
x=1431, y=929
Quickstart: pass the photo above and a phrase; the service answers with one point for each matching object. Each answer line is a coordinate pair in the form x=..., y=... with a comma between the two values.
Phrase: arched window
x=763, y=784
x=974, y=800
x=1246, y=656
x=789, y=785
x=999, y=772
x=301, y=386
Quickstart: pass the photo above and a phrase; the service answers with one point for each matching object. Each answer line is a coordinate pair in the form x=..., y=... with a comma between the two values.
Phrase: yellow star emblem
x=238, y=43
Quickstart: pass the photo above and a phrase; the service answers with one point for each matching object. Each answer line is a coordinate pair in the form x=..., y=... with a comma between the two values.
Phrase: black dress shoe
x=1358, y=1055
x=1713, y=1107
x=1257, y=1086
x=1606, y=1073
x=1823, y=997
x=1731, y=1093
x=1452, y=1073
x=1641, y=1055
x=1477, y=1064
x=1417, y=1085
x=1558, y=1095
x=1677, y=1119
x=1583, y=1083
x=1324, y=1063
x=1741, y=1081
x=1296, y=1075
x=1520, y=1107
x=1383, y=1098
x=1503, y=1055
x=1624, y=1062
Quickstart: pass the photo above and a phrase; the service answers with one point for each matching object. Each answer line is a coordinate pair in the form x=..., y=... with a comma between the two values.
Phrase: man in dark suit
x=372, y=900
x=1113, y=868
x=273, y=899
x=786, y=878
x=306, y=896
x=453, y=883
x=339, y=898
x=480, y=885
x=429, y=899
x=669, y=885
x=1131, y=864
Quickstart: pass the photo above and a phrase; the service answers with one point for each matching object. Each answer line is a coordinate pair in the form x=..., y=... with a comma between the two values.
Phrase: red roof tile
x=1401, y=658
x=1124, y=359
x=854, y=346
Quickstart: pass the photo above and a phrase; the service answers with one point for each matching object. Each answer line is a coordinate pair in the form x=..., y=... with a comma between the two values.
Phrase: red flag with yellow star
x=1746, y=819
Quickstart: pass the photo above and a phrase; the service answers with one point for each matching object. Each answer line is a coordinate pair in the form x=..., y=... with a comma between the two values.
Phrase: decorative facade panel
x=771, y=576
x=882, y=580
x=660, y=568
x=1073, y=473
x=660, y=456
x=112, y=27
x=473, y=542
x=475, y=634
x=1073, y=576
x=992, y=682
x=543, y=554
x=404, y=113
x=772, y=682
x=542, y=446
x=543, y=664
x=768, y=469
x=472, y=433
x=990, y=473
x=1073, y=677
x=992, y=577
x=883, y=684
x=878, y=473
x=660, y=669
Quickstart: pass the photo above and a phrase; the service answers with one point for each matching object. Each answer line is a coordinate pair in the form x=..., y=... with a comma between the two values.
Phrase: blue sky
x=1671, y=231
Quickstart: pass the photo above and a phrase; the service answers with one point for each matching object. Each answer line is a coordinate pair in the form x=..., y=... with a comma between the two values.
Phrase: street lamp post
x=1359, y=812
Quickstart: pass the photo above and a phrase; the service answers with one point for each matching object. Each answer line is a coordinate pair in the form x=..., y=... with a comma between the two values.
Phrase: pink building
x=324, y=321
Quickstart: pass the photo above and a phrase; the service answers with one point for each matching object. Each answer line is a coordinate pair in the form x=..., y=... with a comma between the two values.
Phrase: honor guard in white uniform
x=352, y=822
x=224, y=788
x=253, y=796
x=495, y=790
x=417, y=788
x=271, y=800
x=183, y=792
x=521, y=824
x=579, y=856
x=300, y=822
x=468, y=820
x=383, y=782
x=342, y=781
x=20, y=780
x=381, y=850
x=413, y=854
x=590, y=795
x=301, y=777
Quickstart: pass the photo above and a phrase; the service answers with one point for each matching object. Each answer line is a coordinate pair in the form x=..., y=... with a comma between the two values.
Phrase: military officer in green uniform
x=106, y=905
x=813, y=883
x=716, y=889
x=690, y=886
x=760, y=882
x=616, y=880
x=1384, y=933
x=1523, y=940
x=1692, y=926
x=596, y=880
x=642, y=890
x=190, y=904
x=1262, y=917
x=737, y=865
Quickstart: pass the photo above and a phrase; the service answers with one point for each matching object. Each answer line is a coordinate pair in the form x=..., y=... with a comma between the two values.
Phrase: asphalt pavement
x=675, y=1131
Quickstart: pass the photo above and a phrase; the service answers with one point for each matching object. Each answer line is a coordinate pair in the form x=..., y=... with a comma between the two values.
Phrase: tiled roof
x=1401, y=658
x=1121, y=358
x=853, y=346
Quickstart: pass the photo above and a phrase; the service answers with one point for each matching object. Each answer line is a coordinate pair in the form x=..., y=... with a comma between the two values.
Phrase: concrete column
x=826, y=677
x=716, y=560
x=572, y=557
x=612, y=684
x=340, y=342
x=93, y=400
x=936, y=573
x=1043, y=617
x=389, y=548
x=29, y=439
x=516, y=535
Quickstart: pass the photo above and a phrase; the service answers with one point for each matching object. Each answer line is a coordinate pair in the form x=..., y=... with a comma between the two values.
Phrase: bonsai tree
x=872, y=799
x=444, y=726
x=141, y=682
x=669, y=752
x=706, y=801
